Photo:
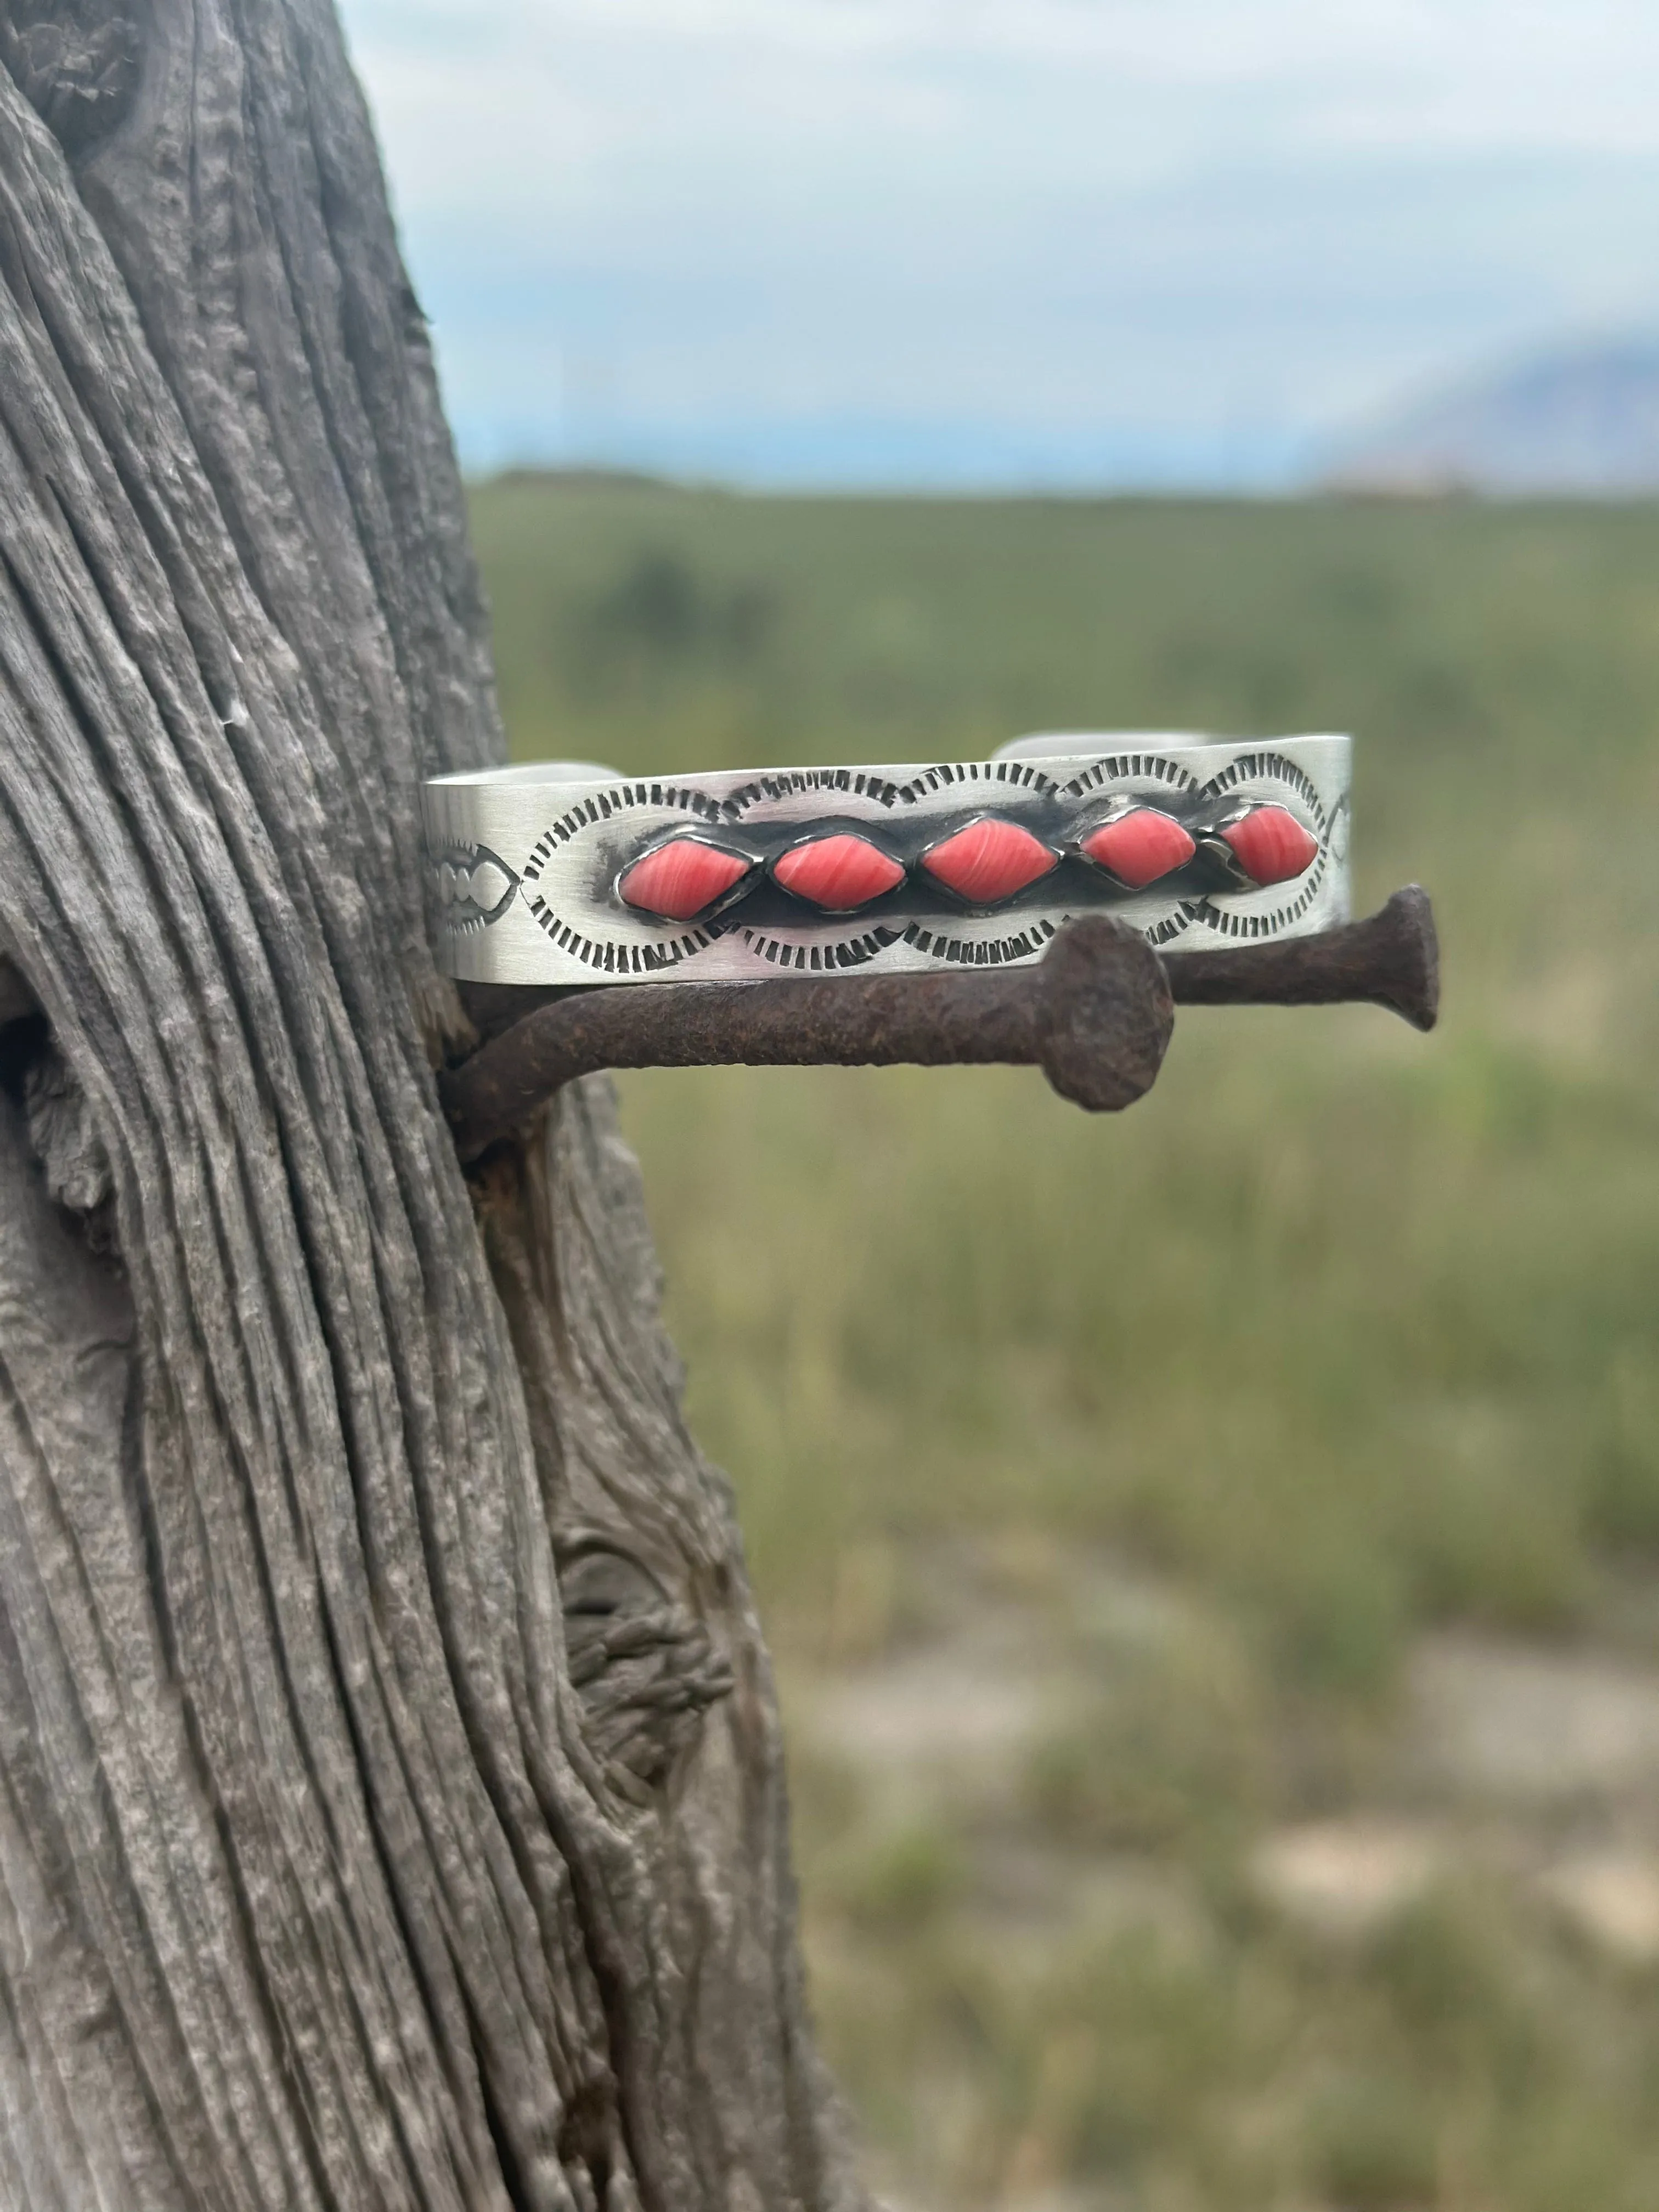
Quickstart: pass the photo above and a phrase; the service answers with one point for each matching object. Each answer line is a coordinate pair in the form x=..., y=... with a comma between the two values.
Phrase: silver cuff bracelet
x=563, y=872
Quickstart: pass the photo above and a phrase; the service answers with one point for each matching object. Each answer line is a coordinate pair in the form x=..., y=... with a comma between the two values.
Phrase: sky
x=1060, y=243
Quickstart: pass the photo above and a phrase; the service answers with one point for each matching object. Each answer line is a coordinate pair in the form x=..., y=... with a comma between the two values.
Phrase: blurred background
x=1213, y=1558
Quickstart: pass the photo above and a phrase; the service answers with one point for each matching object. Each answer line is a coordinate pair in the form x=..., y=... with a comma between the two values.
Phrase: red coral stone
x=1272, y=846
x=679, y=879
x=989, y=861
x=1140, y=848
x=838, y=873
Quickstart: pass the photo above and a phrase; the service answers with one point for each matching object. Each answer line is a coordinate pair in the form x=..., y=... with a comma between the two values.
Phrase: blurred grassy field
x=1341, y=1339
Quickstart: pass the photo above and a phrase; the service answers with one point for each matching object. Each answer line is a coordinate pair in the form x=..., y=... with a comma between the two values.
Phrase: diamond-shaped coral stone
x=838, y=873
x=679, y=879
x=989, y=861
x=1272, y=846
x=1141, y=847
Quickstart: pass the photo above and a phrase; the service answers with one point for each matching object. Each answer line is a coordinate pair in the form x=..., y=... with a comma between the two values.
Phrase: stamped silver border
x=561, y=835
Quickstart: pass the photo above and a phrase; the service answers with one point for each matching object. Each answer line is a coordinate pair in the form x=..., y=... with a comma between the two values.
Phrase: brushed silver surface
x=526, y=861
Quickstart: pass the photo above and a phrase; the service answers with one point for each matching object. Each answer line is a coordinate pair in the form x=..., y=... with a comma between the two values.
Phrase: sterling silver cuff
x=567, y=873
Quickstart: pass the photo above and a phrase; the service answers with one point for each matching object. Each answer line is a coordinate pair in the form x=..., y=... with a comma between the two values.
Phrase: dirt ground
x=971, y=1699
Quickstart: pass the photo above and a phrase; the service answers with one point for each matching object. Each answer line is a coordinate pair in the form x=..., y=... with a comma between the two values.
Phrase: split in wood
x=17, y=999
x=1094, y=1014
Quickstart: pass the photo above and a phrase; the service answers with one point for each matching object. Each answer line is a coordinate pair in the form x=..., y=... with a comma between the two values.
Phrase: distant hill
x=582, y=476
x=1580, y=422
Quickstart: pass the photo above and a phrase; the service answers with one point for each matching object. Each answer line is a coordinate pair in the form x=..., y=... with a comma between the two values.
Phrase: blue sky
x=1064, y=242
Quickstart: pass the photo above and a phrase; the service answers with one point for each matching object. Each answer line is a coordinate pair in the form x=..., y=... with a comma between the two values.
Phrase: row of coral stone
x=984, y=865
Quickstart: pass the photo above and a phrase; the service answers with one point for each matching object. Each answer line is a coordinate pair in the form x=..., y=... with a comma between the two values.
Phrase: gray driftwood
x=391, y=1808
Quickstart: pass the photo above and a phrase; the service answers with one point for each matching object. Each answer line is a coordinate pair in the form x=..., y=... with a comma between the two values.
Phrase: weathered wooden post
x=391, y=1800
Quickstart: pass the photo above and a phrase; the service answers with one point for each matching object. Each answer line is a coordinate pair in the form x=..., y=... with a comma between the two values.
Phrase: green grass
x=1459, y=2062
x=1352, y=1327
x=1343, y=1331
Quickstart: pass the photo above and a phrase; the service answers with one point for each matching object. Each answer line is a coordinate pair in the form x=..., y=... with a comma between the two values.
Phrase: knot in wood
x=76, y=62
x=644, y=1666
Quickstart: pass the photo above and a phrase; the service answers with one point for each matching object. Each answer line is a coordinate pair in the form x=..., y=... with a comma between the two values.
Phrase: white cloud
x=1023, y=210
x=1518, y=67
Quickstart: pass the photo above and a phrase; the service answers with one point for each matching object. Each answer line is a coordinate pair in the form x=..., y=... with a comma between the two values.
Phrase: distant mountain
x=1583, y=421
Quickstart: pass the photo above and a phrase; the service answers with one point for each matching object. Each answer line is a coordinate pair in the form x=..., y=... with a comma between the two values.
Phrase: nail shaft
x=1095, y=1013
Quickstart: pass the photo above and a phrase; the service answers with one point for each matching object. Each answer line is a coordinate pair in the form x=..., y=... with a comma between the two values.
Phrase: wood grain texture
x=391, y=1807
